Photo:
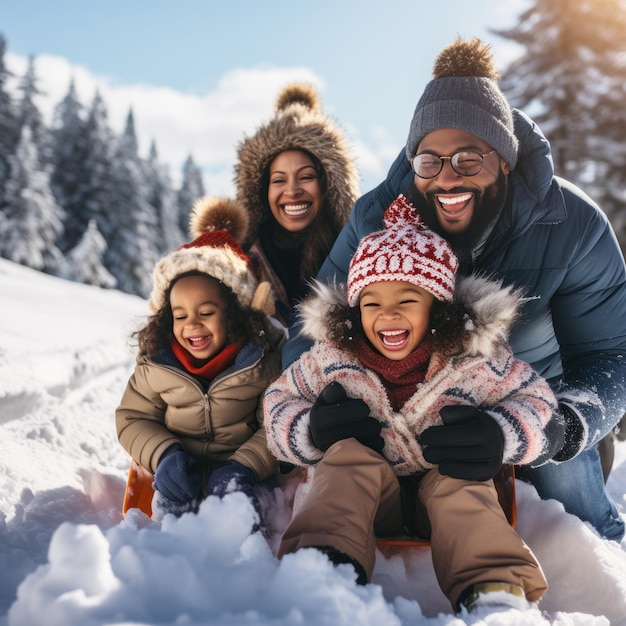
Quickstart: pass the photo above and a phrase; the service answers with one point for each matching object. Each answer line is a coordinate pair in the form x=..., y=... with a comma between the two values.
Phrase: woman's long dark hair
x=242, y=326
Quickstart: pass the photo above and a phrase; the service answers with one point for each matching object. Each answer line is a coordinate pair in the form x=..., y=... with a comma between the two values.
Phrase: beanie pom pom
x=299, y=93
x=217, y=225
x=211, y=214
x=466, y=58
x=400, y=213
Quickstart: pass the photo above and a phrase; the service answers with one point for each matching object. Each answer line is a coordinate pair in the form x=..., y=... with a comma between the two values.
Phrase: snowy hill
x=67, y=558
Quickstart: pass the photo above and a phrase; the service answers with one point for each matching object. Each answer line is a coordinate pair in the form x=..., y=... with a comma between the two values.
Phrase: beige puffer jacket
x=164, y=405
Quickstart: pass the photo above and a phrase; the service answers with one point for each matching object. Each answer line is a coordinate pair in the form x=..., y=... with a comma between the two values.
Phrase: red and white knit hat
x=217, y=225
x=406, y=250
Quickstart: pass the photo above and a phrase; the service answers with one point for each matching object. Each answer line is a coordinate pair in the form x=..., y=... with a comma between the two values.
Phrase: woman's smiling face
x=294, y=193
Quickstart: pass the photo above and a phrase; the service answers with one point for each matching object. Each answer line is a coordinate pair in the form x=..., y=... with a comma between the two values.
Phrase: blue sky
x=200, y=74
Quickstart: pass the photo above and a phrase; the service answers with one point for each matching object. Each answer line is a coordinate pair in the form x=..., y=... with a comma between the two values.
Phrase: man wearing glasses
x=481, y=175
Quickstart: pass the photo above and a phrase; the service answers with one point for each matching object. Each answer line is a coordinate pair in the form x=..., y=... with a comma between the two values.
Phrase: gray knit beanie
x=464, y=94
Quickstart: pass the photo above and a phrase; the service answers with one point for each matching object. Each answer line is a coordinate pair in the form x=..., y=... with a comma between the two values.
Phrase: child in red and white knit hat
x=405, y=349
x=190, y=412
x=407, y=250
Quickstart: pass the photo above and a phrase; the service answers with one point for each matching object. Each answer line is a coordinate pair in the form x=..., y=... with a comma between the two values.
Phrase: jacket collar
x=536, y=192
x=535, y=195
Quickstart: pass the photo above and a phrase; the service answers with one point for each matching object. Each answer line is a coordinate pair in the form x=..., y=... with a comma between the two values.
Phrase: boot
x=495, y=595
x=338, y=558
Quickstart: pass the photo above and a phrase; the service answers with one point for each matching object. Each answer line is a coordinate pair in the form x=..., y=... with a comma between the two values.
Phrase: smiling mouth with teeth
x=295, y=210
x=393, y=338
x=450, y=203
x=198, y=342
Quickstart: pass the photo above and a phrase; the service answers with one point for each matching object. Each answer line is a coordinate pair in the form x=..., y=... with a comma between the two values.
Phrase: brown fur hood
x=299, y=123
x=493, y=310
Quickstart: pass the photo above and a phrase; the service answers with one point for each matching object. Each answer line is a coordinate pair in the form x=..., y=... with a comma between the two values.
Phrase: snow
x=68, y=558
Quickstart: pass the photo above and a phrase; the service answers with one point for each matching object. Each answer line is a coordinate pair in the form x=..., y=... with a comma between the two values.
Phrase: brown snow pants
x=355, y=496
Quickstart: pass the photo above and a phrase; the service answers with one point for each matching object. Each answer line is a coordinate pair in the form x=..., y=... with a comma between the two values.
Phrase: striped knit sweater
x=485, y=375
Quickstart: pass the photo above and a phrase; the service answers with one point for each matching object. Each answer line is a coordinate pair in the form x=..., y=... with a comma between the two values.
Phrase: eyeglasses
x=463, y=163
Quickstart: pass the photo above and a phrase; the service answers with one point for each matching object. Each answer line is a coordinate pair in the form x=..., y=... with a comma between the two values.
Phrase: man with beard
x=481, y=175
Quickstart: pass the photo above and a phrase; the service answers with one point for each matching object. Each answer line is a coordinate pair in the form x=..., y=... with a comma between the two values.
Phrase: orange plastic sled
x=139, y=492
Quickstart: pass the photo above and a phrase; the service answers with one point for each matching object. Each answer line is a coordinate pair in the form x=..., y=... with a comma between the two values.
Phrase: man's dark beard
x=487, y=209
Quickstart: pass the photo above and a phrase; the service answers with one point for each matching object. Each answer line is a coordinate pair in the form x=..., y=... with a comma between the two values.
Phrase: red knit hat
x=406, y=250
x=217, y=224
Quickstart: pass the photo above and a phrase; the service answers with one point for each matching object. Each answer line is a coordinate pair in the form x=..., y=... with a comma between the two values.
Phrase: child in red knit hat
x=191, y=413
x=406, y=349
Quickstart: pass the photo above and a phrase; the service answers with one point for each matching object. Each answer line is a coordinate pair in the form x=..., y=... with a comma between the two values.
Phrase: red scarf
x=212, y=368
x=400, y=378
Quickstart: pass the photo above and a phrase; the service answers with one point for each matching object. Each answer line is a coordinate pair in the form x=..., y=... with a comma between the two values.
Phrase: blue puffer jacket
x=553, y=241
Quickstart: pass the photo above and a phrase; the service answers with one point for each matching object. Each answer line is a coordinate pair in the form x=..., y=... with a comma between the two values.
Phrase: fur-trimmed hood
x=492, y=308
x=299, y=123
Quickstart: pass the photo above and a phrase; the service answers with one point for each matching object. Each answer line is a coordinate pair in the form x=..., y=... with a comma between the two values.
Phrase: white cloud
x=374, y=153
x=208, y=126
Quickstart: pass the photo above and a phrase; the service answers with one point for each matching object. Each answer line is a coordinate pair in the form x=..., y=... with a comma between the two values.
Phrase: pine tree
x=134, y=249
x=72, y=186
x=83, y=264
x=67, y=151
x=95, y=191
x=571, y=78
x=8, y=121
x=191, y=189
x=161, y=197
x=30, y=115
x=608, y=145
x=32, y=221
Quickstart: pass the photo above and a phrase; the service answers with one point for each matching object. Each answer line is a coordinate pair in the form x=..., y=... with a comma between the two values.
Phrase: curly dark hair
x=447, y=323
x=242, y=325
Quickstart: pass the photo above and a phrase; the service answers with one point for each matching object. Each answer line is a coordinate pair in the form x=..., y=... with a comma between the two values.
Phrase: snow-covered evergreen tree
x=191, y=189
x=32, y=221
x=96, y=191
x=67, y=151
x=571, y=78
x=608, y=145
x=161, y=196
x=30, y=115
x=135, y=246
x=8, y=122
x=83, y=263
x=56, y=183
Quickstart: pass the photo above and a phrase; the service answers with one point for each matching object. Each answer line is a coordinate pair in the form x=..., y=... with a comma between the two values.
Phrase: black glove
x=177, y=476
x=469, y=445
x=334, y=417
x=230, y=478
x=566, y=434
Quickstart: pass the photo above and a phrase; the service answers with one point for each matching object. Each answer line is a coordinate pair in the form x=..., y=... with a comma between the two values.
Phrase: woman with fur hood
x=191, y=413
x=402, y=352
x=296, y=178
